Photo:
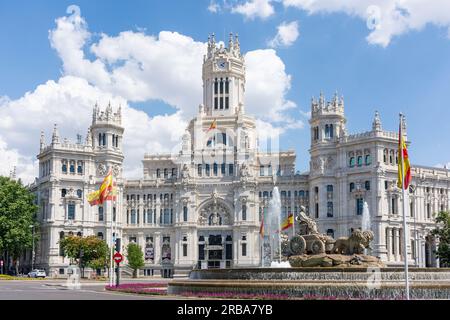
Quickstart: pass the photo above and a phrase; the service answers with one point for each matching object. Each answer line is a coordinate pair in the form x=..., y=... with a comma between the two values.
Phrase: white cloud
x=254, y=9
x=287, y=34
x=213, y=7
x=129, y=67
x=267, y=85
x=385, y=18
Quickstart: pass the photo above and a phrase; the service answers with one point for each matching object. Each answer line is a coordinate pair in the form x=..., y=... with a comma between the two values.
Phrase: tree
x=442, y=232
x=135, y=257
x=87, y=251
x=17, y=216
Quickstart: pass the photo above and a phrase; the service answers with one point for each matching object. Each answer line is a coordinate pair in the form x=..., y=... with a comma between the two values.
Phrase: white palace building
x=203, y=206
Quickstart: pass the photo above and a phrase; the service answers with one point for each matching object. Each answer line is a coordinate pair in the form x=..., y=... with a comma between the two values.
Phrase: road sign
x=117, y=257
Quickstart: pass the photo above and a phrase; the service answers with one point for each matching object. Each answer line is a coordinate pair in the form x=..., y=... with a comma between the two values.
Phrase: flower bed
x=140, y=288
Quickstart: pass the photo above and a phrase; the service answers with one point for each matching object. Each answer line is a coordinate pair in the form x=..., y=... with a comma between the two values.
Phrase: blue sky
x=411, y=74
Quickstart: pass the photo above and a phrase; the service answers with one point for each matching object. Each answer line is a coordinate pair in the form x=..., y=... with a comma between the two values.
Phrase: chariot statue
x=309, y=241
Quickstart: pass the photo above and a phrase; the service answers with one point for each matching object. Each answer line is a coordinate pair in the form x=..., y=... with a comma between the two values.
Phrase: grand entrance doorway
x=215, y=250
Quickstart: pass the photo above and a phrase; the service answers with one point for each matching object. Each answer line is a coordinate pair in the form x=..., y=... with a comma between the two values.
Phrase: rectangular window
x=216, y=103
x=199, y=170
x=166, y=216
x=330, y=209
x=100, y=214
x=133, y=216
x=227, y=85
x=221, y=103
x=221, y=87
x=184, y=250
x=215, y=169
x=261, y=171
x=227, y=103
x=71, y=211
x=244, y=249
x=230, y=169
x=185, y=213
x=72, y=168
x=216, y=86
x=359, y=206
x=80, y=168
x=317, y=211
x=244, y=212
x=207, y=169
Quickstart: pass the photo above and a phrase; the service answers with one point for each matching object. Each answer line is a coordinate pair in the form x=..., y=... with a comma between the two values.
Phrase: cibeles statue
x=302, y=218
x=310, y=248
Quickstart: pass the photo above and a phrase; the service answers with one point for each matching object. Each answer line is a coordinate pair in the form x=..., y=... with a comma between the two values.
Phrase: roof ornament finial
x=42, y=141
x=55, y=135
x=230, y=42
x=376, y=124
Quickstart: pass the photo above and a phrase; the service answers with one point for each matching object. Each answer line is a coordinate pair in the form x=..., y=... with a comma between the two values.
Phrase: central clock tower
x=223, y=78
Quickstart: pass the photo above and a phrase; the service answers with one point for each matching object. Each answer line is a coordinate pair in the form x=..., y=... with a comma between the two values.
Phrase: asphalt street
x=57, y=290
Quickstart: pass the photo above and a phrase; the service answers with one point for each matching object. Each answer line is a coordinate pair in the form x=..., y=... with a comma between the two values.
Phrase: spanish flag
x=213, y=125
x=404, y=168
x=288, y=222
x=261, y=228
x=105, y=192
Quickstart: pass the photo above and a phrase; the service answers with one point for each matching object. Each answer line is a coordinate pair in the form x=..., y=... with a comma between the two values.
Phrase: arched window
x=79, y=193
x=368, y=160
x=352, y=186
x=352, y=162
x=72, y=167
x=301, y=193
x=100, y=235
x=63, y=193
x=64, y=166
x=244, y=212
x=166, y=173
x=199, y=170
x=215, y=169
x=80, y=167
x=158, y=173
x=360, y=161
x=327, y=131
x=367, y=185
x=207, y=169
x=331, y=131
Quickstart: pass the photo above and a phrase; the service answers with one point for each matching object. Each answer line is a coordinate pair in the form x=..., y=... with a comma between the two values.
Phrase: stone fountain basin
x=361, y=283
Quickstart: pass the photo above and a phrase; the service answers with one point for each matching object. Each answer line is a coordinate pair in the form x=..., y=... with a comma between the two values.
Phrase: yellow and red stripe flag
x=213, y=125
x=261, y=228
x=404, y=168
x=105, y=192
x=288, y=222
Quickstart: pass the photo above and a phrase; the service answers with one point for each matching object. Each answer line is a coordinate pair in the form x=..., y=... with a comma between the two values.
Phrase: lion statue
x=355, y=244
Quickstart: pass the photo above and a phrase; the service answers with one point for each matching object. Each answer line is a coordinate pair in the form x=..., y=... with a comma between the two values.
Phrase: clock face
x=221, y=64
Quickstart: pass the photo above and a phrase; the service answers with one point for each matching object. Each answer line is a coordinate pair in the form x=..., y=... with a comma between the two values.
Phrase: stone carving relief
x=214, y=214
x=185, y=174
x=101, y=169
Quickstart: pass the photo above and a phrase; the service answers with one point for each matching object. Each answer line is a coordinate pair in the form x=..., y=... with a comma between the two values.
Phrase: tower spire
x=55, y=135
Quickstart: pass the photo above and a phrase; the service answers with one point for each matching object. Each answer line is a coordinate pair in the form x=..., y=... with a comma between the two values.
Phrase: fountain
x=365, y=221
x=318, y=265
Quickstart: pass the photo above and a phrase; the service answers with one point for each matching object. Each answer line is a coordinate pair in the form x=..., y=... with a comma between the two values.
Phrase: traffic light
x=118, y=245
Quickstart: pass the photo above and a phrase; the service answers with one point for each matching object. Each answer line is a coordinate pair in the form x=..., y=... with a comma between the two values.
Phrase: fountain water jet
x=274, y=223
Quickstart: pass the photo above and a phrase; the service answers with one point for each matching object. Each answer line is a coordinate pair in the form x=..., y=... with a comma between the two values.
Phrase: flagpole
x=405, y=236
x=111, y=273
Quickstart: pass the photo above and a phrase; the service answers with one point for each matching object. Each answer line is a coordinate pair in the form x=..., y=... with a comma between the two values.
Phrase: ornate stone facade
x=203, y=206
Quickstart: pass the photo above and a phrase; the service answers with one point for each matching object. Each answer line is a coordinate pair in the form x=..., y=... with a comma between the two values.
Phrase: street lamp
x=32, y=247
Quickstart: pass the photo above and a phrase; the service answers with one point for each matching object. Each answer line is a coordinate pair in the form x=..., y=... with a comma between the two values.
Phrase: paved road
x=56, y=290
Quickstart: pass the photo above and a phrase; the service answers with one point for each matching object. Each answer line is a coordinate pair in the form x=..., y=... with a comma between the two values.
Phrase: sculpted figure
x=355, y=244
x=310, y=223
